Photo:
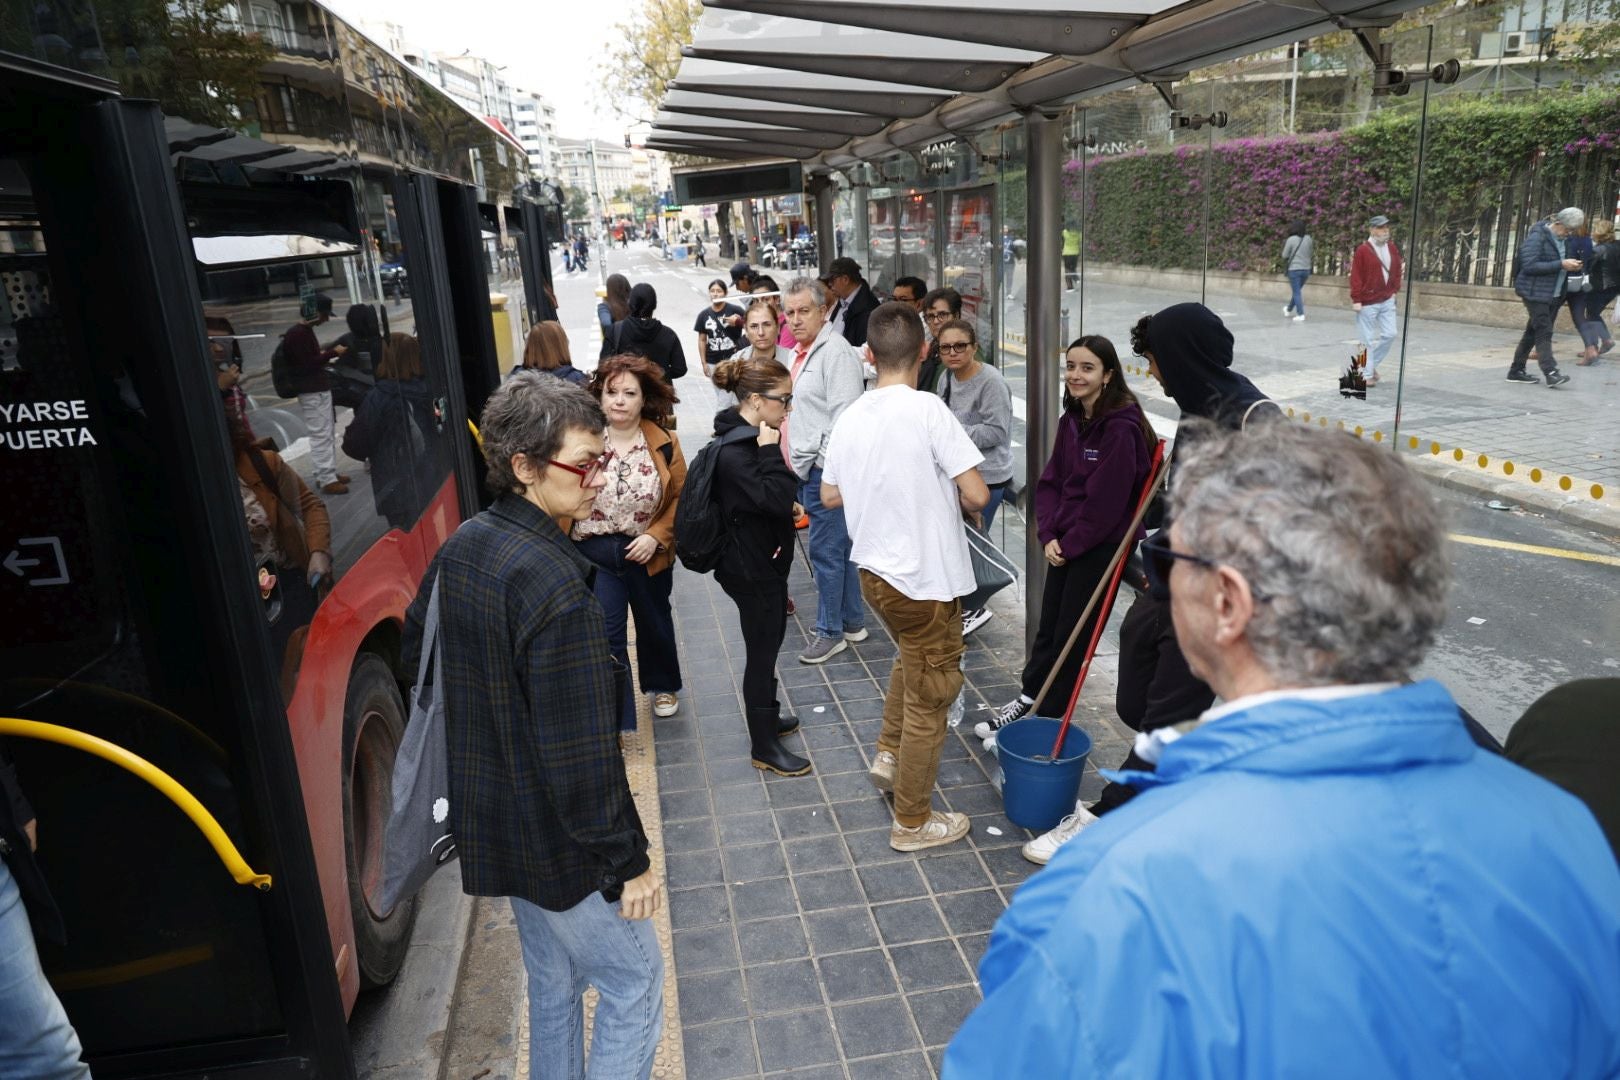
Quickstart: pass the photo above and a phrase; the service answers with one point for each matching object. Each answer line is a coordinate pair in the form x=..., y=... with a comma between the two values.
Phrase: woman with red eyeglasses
x=630, y=532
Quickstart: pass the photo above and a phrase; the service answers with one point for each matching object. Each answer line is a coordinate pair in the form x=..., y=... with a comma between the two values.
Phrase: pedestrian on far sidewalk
x=541, y=807
x=1375, y=279
x=1541, y=272
x=1603, y=287
x=828, y=375
x=907, y=472
x=1298, y=256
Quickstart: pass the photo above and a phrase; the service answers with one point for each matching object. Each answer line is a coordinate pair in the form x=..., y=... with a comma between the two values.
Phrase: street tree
x=648, y=54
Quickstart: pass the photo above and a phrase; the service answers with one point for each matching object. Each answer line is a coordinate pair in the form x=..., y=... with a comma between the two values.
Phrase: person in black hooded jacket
x=1189, y=352
x=756, y=490
x=644, y=335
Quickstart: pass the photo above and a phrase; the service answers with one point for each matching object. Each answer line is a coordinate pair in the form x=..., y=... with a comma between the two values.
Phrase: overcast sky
x=553, y=46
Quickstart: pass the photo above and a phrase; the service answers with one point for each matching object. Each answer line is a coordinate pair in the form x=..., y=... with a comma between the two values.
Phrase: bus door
x=131, y=614
x=465, y=261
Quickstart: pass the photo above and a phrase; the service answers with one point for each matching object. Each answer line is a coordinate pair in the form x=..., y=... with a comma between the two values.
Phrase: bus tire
x=373, y=724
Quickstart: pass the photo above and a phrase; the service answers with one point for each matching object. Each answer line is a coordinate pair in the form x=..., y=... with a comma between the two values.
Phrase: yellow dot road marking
x=1536, y=549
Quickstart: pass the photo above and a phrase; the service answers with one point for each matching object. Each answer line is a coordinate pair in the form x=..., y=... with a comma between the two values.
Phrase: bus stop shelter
x=844, y=86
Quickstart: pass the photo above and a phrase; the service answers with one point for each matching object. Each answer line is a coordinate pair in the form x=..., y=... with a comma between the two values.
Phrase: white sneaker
x=942, y=827
x=857, y=636
x=666, y=704
x=1043, y=847
x=972, y=620
x=1288, y=309
x=1016, y=709
x=1299, y=318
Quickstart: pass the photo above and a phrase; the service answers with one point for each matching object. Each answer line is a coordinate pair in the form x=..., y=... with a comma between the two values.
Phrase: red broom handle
x=1155, y=467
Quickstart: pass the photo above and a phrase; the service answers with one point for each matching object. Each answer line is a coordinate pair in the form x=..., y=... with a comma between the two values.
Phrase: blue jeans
x=36, y=1039
x=1376, y=324
x=839, y=607
x=1296, y=282
x=590, y=945
x=623, y=587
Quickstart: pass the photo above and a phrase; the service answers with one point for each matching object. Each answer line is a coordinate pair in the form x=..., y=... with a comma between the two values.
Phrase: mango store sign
x=45, y=425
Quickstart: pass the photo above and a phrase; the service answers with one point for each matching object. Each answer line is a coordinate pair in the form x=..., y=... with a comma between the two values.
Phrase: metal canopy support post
x=823, y=188
x=1043, y=303
x=862, y=187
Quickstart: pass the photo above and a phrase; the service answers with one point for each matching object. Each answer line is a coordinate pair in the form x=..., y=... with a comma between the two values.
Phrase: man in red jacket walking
x=1375, y=278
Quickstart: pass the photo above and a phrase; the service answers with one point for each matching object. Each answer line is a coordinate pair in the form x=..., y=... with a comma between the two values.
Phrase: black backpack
x=701, y=525
x=281, y=376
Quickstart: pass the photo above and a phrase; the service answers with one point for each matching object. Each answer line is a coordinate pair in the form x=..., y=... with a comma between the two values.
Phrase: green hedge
x=1148, y=207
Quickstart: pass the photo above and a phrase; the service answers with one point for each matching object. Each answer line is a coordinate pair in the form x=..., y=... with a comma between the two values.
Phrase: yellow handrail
x=479, y=439
x=185, y=800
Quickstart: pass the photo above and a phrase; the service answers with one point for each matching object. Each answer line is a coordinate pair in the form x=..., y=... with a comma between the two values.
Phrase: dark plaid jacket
x=540, y=805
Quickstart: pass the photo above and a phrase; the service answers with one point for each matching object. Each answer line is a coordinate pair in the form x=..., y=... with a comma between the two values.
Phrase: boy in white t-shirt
x=905, y=472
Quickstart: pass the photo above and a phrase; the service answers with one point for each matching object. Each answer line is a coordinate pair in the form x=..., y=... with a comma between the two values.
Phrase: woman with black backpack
x=755, y=490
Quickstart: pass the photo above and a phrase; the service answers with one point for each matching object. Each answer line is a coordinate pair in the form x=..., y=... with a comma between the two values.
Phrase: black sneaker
x=1016, y=709
x=1556, y=378
x=1521, y=377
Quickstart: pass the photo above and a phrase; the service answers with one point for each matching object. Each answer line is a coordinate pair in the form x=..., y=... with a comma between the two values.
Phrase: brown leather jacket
x=297, y=513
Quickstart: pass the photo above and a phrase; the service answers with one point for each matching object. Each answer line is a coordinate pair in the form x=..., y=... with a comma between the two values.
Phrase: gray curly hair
x=1337, y=535
x=531, y=413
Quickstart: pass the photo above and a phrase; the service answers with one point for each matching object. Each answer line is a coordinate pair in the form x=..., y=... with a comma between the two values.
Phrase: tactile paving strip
x=640, y=765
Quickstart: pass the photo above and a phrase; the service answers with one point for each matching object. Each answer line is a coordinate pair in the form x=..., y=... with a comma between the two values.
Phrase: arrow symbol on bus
x=15, y=563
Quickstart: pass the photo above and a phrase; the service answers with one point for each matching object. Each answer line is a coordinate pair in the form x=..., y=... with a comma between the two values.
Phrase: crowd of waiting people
x=1310, y=863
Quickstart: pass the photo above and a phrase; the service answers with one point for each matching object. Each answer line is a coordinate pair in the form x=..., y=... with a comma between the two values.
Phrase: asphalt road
x=1521, y=621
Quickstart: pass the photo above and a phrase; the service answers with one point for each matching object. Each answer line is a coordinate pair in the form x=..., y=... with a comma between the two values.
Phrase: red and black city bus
x=180, y=184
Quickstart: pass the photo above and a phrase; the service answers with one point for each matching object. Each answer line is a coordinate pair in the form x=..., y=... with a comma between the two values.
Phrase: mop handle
x=1107, y=586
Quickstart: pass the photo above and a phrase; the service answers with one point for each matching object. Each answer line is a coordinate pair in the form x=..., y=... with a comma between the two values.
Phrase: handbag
x=992, y=569
x=418, y=839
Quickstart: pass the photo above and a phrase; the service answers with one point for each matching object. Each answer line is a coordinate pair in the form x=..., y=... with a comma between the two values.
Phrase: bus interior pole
x=1043, y=280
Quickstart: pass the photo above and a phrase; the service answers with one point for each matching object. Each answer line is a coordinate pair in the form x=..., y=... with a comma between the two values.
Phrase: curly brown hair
x=657, y=396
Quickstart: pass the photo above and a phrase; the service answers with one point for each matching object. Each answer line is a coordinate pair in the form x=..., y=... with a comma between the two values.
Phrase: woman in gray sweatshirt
x=981, y=401
x=1299, y=250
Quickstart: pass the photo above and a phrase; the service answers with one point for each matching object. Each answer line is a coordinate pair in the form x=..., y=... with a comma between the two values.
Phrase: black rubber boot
x=785, y=725
x=768, y=753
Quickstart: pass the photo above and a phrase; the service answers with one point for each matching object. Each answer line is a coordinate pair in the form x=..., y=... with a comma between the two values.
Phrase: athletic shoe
x=1016, y=709
x=1556, y=378
x=1288, y=310
x=822, y=649
x=972, y=620
x=942, y=827
x=665, y=704
x=882, y=771
x=1043, y=847
x=1299, y=318
x=855, y=637
x=1522, y=377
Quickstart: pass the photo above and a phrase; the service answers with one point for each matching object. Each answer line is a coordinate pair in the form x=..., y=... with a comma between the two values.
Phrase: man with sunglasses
x=540, y=806
x=1325, y=875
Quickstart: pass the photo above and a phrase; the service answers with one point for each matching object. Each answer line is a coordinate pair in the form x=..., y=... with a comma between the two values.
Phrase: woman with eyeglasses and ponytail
x=756, y=491
x=630, y=534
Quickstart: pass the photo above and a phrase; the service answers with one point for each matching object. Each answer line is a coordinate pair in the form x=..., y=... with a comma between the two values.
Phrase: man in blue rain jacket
x=1325, y=877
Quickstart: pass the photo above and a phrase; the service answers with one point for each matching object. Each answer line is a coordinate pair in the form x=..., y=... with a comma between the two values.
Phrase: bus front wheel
x=373, y=724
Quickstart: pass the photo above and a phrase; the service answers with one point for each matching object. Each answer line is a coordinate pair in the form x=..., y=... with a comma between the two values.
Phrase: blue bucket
x=1036, y=791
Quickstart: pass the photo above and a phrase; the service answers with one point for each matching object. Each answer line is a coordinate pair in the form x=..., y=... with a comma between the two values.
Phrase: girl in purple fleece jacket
x=1083, y=504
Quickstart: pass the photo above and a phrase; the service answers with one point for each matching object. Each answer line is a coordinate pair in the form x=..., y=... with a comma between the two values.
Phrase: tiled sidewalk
x=802, y=941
